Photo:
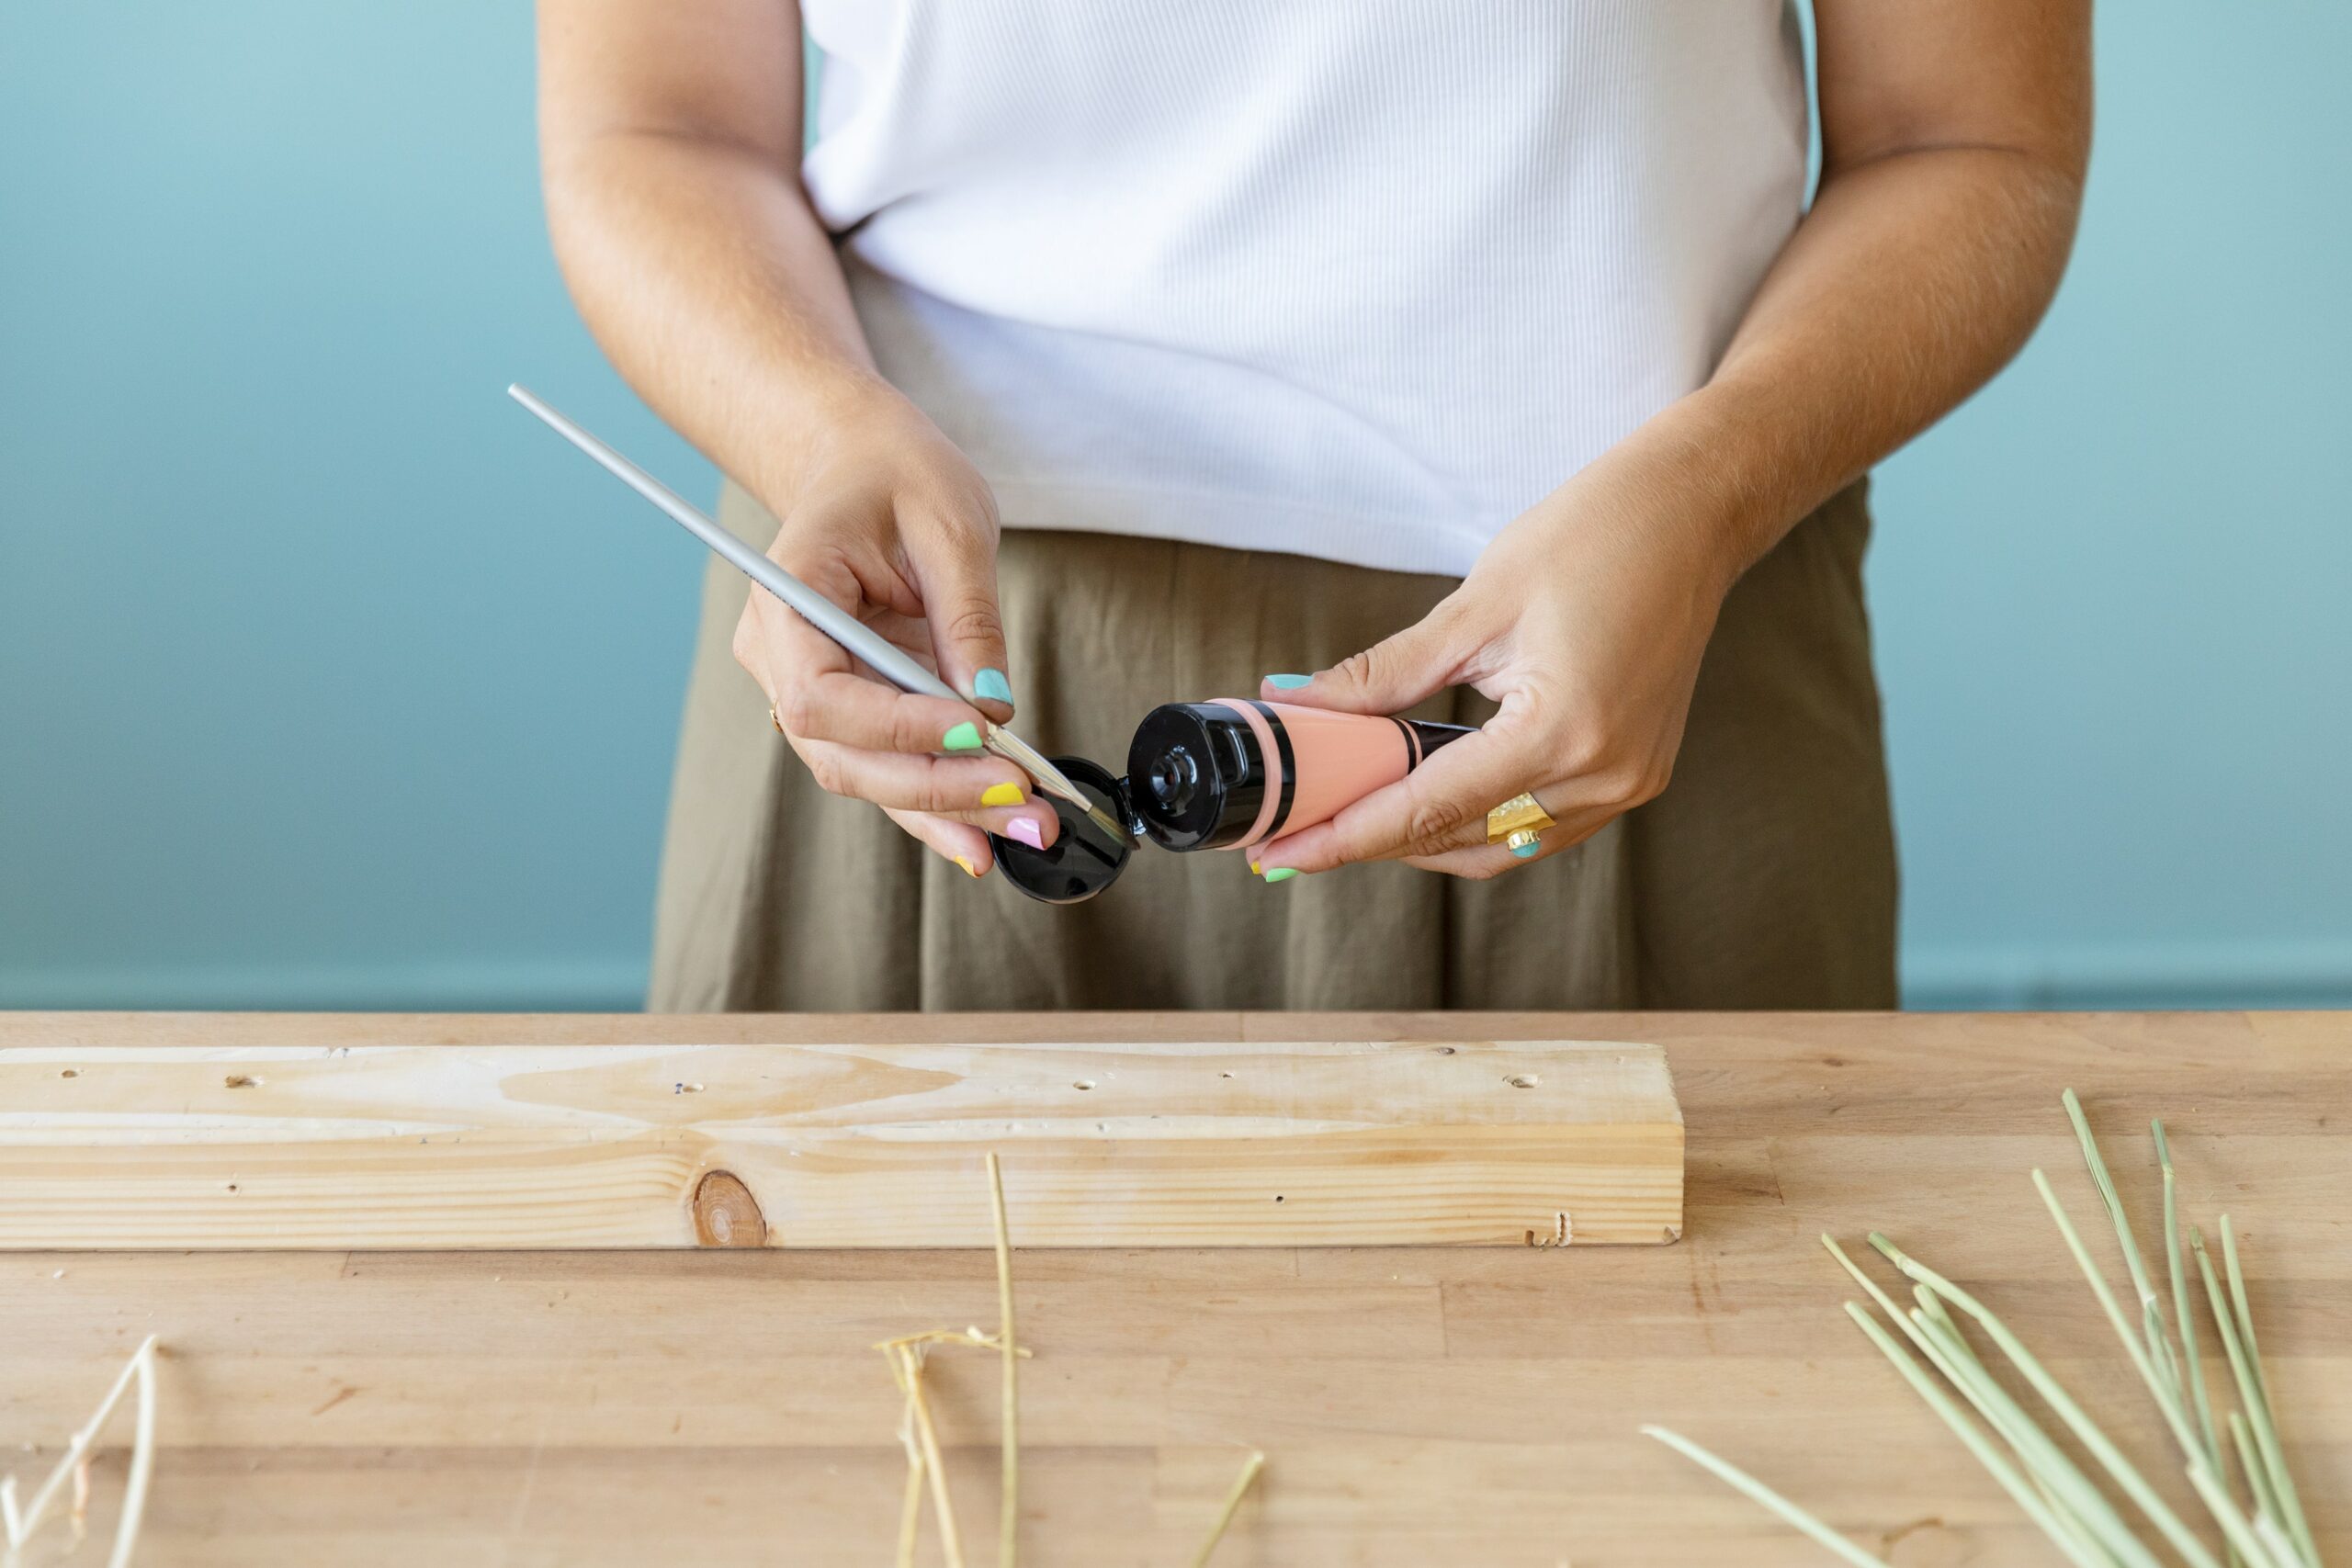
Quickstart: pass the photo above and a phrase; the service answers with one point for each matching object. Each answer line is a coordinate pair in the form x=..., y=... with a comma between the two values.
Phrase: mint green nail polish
x=1525, y=852
x=1282, y=874
x=991, y=684
x=965, y=737
x=1288, y=682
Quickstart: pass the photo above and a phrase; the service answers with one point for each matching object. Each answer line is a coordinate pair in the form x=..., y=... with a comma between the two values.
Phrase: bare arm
x=670, y=139
x=1955, y=136
x=670, y=144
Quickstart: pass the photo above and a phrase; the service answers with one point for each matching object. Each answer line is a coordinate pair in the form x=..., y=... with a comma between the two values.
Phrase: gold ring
x=1516, y=822
x=775, y=721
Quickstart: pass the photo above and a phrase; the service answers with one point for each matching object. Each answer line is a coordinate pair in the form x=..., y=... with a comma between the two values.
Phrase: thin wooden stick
x=1008, y=1506
x=1256, y=1462
x=1740, y=1481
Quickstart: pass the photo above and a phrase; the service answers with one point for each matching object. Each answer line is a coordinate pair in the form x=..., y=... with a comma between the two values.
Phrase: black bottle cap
x=1082, y=861
x=1196, y=779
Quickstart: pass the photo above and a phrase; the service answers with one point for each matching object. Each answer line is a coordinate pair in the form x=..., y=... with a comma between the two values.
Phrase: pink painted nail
x=1023, y=829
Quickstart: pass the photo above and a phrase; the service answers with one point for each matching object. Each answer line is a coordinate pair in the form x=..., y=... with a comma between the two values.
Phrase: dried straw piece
x=21, y=1522
x=1256, y=1462
x=1009, y=1508
x=907, y=1362
x=910, y=1509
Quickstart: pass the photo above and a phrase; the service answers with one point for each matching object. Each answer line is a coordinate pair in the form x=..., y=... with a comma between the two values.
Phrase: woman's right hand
x=889, y=521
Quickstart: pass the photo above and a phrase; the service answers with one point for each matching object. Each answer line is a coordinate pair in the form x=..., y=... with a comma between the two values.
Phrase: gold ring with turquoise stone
x=1515, y=824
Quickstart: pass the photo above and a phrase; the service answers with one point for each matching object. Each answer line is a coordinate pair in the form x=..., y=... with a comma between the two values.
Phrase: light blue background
x=327, y=678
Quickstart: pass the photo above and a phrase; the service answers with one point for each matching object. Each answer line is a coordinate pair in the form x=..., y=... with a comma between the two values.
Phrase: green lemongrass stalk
x=2174, y=1416
x=2267, y=1531
x=2180, y=1307
x=2055, y=1477
x=2224, y=1508
x=1996, y=1407
x=2071, y=1494
x=1755, y=1491
x=2245, y=1314
x=2265, y=1418
x=2059, y=1530
x=2258, y=1479
x=2114, y=1202
x=2256, y=1408
x=2135, y=1486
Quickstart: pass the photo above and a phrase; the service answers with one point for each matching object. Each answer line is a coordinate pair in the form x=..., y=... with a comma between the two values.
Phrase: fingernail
x=1282, y=874
x=1003, y=795
x=1526, y=852
x=1288, y=682
x=991, y=684
x=965, y=737
x=1026, y=832
x=1257, y=869
x=965, y=861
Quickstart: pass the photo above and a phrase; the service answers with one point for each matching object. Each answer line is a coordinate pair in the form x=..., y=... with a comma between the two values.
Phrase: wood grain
x=1420, y=1406
x=332, y=1144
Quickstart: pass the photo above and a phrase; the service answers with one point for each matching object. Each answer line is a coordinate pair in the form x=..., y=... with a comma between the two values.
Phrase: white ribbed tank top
x=1359, y=280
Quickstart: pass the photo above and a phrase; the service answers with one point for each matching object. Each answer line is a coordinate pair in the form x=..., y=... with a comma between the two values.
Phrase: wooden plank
x=552, y=1409
x=1157, y=1141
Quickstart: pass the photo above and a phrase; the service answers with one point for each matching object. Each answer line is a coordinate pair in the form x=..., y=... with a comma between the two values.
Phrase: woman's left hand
x=1585, y=620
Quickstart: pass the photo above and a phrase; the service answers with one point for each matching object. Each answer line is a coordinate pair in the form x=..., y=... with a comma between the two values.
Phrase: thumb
x=956, y=574
x=1386, y=678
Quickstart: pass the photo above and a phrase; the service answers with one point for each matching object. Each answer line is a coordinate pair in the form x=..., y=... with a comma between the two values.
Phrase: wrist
x=822, y=422
x=1712, y=473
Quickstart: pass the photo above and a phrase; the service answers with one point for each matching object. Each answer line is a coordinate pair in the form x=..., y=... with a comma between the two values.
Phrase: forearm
x=1914, y=278
x=711, y=285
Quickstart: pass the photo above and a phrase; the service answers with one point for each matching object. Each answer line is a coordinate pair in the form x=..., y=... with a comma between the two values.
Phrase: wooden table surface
x=1420, y=1408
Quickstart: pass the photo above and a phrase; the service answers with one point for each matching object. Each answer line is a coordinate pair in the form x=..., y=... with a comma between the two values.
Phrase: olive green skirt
x=1763, y=877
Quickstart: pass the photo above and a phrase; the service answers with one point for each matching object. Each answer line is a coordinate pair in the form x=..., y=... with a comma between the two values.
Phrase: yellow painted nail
x=1003, y=795
x=969, y=869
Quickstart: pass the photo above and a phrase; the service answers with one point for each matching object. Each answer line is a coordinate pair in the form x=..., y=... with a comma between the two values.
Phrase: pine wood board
x=1420, y=1405
x=812, y=1145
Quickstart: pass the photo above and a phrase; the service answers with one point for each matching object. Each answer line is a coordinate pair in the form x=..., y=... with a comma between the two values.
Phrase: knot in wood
x=726, y=1214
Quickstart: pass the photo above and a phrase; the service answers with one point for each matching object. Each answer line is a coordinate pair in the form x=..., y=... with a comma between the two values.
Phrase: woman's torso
x=1354, y=280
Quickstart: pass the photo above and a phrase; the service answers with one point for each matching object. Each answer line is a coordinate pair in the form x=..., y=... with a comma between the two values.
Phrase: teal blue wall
x=326, y=678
